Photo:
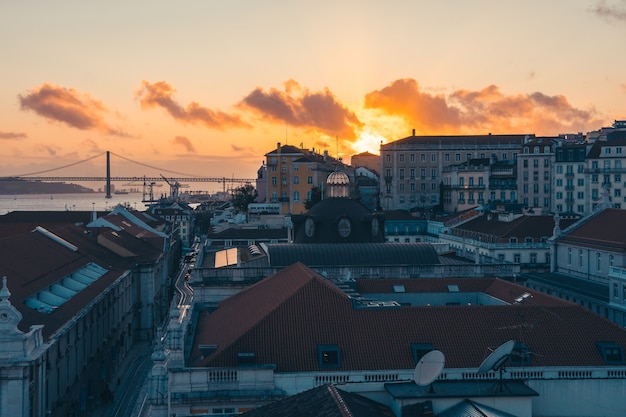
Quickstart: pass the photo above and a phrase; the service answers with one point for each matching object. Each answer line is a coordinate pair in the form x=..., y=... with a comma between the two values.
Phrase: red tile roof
x=606, y=230
x=282, y=319
x=524, y=226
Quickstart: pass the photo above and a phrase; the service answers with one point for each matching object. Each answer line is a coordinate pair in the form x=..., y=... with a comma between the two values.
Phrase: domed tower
x=337, y=218
x=338, y=185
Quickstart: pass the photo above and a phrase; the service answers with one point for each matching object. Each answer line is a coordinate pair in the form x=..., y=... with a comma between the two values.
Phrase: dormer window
x=420, y=349
x=611, y=352
x=520, y=355
x=329, y=356
x=246, y=358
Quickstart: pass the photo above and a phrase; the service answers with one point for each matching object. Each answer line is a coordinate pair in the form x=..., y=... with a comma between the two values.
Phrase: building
x=296, y=330
x=366, y=160
x=78, y=291
x=505, y=238
x=292, y=173
x=534, y=174
x=464, y=186
x=412, y=167
x=588, y=264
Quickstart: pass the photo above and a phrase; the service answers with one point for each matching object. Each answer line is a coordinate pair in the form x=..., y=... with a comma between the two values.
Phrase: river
x=65, y=202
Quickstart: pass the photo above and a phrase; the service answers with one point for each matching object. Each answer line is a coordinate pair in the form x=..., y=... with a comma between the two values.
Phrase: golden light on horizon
x=368, y=141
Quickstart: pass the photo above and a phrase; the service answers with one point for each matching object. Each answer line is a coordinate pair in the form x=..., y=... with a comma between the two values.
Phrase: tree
x=243, y=196
x=316, y=197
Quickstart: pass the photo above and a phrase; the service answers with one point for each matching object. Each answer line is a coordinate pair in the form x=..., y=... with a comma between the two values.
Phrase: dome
x=338, y=184
x=338, y=178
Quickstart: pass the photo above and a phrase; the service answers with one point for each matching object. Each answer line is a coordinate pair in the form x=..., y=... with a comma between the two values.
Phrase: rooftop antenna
x=428, y=369
x=496, y=360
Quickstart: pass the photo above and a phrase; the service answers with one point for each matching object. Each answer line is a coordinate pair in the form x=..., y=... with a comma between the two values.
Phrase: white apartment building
x=412, y=168
x=534, y=174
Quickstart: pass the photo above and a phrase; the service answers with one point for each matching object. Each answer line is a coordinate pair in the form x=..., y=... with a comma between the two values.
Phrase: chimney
x=413, y=132
x=278, y=147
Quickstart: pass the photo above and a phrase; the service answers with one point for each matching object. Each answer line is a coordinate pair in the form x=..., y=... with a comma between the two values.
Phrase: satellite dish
x=497, y=358
x=428, y=368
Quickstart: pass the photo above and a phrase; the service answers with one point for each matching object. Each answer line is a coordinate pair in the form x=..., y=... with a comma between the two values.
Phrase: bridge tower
x=108, y=184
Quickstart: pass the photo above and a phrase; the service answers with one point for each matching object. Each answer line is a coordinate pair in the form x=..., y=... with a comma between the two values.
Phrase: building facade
x=412, y=168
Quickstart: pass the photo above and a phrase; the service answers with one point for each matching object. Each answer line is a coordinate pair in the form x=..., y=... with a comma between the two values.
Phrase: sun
x=368, y=141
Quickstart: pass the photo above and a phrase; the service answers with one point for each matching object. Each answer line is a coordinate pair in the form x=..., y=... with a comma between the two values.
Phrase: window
x=328, y=356
x=611, y=352
x=580, y=257
x=433, y=173
x=420, y=349
x=309, y=180
x=446, y=157
x=457, y=157
x=412, y=157
x=296, y=196
x=520, y=355
x=559, y=169
x=401, y=157
x=412, y=173
x=569, y=256
x=274, y=181
x=388, y=157
x=296, y=179
x=598, y=261
x=433, y=157
x=401, y=186
x=516, y=258
x=422, y=157
x=401, y=173
x=533, y=258
x=246, y=358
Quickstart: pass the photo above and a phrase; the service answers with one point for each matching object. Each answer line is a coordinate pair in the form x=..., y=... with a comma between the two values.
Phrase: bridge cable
x=57, y=168
x=157, y=168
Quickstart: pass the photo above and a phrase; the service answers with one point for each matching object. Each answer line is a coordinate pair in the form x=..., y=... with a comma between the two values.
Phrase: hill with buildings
x=15, y=186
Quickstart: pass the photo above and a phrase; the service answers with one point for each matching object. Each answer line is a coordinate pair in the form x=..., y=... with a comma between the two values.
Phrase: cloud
x=68, y=106
x=184, y=142
x=615, y=10
x=298, y=107
x=486, y=110
x=160, y=94
x=11, y=135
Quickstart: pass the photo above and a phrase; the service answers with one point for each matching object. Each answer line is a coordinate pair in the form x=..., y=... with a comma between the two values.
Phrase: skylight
x=57, y=294
x=226, y=257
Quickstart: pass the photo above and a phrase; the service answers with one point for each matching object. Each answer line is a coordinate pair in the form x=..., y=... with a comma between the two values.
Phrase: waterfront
x=69, y=202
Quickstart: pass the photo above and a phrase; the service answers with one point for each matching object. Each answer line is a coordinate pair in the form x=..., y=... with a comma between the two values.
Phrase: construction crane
x=174, y=187
x=148, y=195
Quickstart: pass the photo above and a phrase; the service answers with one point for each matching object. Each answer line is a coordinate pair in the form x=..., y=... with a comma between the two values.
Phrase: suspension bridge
x=175, y=180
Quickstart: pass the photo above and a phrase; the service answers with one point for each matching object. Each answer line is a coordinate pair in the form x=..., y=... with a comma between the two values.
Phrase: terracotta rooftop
x=31, y=261
x=606, y=230
x=523, y=226
x=283, y=318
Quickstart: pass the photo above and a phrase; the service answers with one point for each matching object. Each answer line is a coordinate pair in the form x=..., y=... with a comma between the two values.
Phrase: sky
x=207, y=88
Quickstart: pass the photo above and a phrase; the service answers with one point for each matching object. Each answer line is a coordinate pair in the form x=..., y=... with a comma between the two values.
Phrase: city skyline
x=209, y=87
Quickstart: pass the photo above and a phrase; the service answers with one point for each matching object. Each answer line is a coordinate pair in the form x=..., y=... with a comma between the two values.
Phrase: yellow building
x=293, y=173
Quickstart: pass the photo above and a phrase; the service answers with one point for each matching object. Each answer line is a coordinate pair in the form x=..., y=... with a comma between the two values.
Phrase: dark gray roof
x=363, y=254
x=324, y=401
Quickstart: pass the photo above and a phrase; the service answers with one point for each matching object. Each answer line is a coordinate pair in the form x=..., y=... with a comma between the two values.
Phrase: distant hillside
x=39, y=187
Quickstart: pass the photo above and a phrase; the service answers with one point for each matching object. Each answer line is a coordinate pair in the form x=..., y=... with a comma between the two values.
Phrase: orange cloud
x=315, y=111
x=68, y=106
x=11, y=135
x=160, y=94
x=185, y=142
x=486, y=110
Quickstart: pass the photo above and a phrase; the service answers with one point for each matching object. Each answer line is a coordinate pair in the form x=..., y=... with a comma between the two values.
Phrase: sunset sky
x=208, y=87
